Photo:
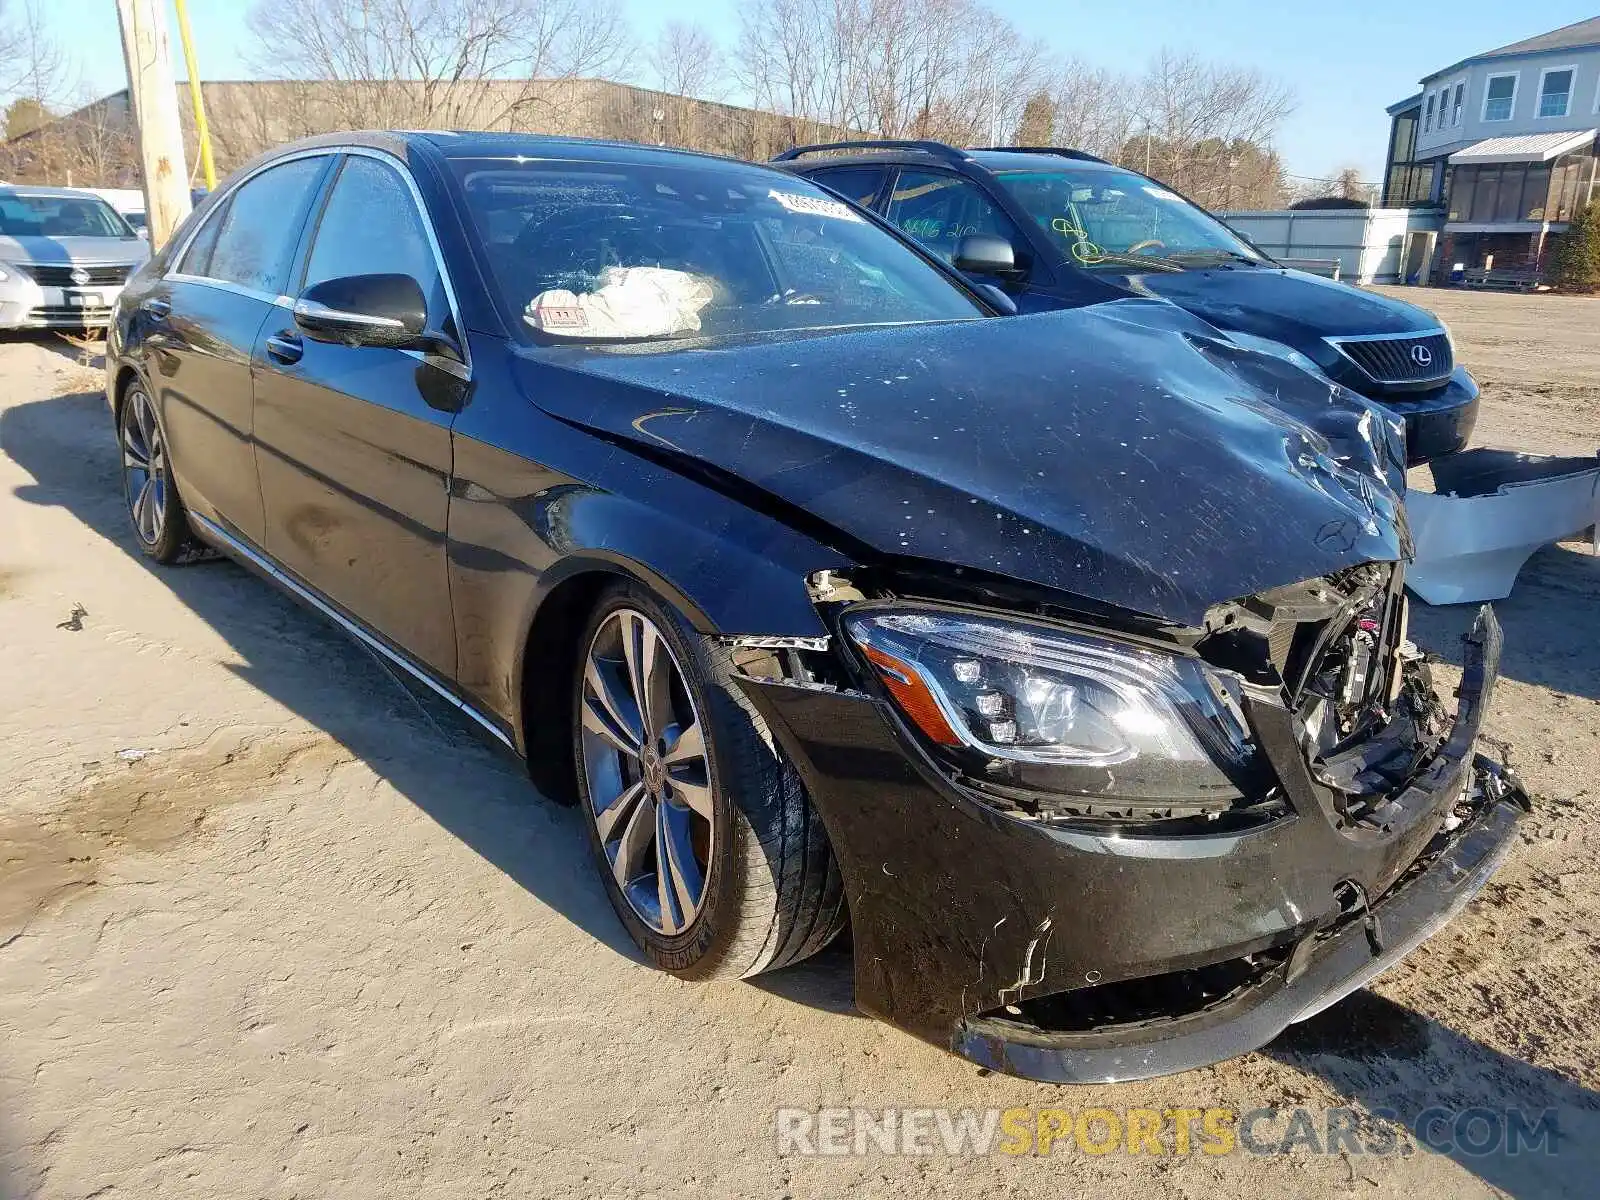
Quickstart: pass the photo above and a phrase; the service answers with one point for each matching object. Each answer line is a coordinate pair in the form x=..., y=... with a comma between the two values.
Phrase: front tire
x=707, y=844
x=160, y=523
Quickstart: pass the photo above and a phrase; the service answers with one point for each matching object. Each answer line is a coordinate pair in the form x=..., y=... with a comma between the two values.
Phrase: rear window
x=604, y=251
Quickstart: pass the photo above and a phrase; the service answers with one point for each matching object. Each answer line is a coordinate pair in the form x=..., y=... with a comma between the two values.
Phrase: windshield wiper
x=1132, y=260
x=1218, y=255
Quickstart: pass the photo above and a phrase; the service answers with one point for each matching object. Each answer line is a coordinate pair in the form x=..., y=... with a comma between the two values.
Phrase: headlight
x=1263, y=345
x=1028, y=707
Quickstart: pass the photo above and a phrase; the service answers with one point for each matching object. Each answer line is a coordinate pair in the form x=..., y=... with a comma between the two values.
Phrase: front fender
x=520, y=529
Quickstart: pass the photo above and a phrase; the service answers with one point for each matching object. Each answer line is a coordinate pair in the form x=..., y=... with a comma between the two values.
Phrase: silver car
x=64, y=257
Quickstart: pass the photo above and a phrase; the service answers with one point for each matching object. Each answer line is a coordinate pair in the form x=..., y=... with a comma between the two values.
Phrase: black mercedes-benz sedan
x=1061, y=657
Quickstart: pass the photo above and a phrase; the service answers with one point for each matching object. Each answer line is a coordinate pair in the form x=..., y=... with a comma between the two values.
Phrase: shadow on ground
x=1375, y=1052
x=1384, y=1056
x=418, y=744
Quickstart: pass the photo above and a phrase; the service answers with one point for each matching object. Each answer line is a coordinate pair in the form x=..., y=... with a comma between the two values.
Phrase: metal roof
x=1526, y=147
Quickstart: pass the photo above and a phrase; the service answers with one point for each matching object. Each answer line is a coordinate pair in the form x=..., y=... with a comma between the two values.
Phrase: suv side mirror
x=364, y=310
x=985, y=254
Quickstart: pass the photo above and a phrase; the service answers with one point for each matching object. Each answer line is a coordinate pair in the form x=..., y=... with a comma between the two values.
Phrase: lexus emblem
x=1421, y=355
x=79, y=276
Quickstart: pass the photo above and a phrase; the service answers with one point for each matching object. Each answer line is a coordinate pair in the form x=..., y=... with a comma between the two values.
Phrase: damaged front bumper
x=1071, y=955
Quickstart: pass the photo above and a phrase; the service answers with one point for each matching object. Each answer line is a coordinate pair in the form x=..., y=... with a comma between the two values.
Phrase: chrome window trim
x=421, y=206
x=224, y=285
x=281, y=577
x=461, y=370
x=232, y=186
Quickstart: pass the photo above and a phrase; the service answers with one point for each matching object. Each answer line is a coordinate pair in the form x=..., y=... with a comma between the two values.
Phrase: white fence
x=1369, y=244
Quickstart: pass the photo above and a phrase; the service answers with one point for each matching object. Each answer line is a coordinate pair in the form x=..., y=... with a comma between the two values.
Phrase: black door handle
x=158, y=309
x=285, y=347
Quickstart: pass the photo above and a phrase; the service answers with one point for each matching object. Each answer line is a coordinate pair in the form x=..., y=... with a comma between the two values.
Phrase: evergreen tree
x=1575, y=259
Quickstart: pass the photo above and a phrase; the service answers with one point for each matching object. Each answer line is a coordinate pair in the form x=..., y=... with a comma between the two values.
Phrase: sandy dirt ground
x=271, y=926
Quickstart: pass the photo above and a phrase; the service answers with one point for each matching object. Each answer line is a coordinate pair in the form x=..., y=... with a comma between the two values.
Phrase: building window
x=1427, y=120
x=1500, y=97
x=1503, y=193
x=1455, y=105
x=1407, y=183
x=1555, y=91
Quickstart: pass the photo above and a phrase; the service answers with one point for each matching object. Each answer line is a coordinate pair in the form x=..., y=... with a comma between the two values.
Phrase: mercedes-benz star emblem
x=79, y=276
x=1421, y=355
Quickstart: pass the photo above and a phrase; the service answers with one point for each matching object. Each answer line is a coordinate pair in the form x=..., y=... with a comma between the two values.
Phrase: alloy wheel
x=649, y=779
x=144, y=467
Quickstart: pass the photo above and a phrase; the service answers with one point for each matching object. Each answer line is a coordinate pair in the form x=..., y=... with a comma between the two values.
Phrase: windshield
x=614, y=251
x=1107, y=218
x=59, y=216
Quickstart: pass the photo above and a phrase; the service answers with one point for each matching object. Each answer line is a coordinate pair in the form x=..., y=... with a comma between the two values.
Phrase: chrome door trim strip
x=214, y=531
x=403, y=169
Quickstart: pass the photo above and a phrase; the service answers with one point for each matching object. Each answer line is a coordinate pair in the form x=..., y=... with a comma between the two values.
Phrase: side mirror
x=364, y=310
x=985, y=254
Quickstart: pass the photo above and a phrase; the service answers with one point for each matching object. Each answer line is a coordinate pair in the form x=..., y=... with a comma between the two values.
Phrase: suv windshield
x=59, y=216
x=1108, y=218
x=628, y=251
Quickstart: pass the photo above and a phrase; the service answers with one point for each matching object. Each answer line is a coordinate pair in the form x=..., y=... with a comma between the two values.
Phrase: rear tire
x=763, y=889
x=160, y=523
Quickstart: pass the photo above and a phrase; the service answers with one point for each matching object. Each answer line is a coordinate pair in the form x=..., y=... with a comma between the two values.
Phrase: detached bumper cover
x=963, y=917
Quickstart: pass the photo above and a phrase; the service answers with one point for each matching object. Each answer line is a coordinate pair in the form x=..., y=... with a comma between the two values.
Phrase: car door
x=353, y=442
x=202, y=320
x=939, y=208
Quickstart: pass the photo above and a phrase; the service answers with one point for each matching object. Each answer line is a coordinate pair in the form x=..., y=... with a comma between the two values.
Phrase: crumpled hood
x=52, y=250
x=1121, y=453
x=1268, y=303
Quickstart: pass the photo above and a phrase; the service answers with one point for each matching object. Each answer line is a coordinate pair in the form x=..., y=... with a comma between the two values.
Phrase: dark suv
x=1058, y=228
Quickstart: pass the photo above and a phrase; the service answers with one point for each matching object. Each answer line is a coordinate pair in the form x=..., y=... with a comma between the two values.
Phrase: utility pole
x=154, y=98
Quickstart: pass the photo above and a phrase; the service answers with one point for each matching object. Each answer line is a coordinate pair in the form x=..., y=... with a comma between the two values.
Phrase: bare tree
x=12, y=68
x=951, y=69
x=1093, y=108
x=1345, y=190
x=685, y=60
x=481, y=64
x=33, y=65
x=1202, y=116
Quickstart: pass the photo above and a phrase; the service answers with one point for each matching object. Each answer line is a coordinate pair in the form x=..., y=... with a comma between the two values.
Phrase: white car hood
x=100, y=250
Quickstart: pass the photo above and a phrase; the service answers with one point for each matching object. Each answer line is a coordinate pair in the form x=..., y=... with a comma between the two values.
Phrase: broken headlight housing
x=1029, y=708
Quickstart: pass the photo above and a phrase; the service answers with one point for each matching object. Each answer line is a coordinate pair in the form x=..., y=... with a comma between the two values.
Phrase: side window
x=257, y=235
x=371, y=226
x=197, y=258
x=857, y=184
x=939, y=210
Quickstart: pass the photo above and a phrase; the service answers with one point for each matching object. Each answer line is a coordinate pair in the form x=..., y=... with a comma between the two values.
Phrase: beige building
x=94, y=146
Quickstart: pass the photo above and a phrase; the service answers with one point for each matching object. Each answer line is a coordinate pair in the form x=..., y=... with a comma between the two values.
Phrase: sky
x=1346, y=60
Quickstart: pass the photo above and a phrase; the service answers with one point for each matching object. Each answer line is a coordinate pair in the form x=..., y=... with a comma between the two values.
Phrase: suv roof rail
x=937, y=149
x=1063, y=151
